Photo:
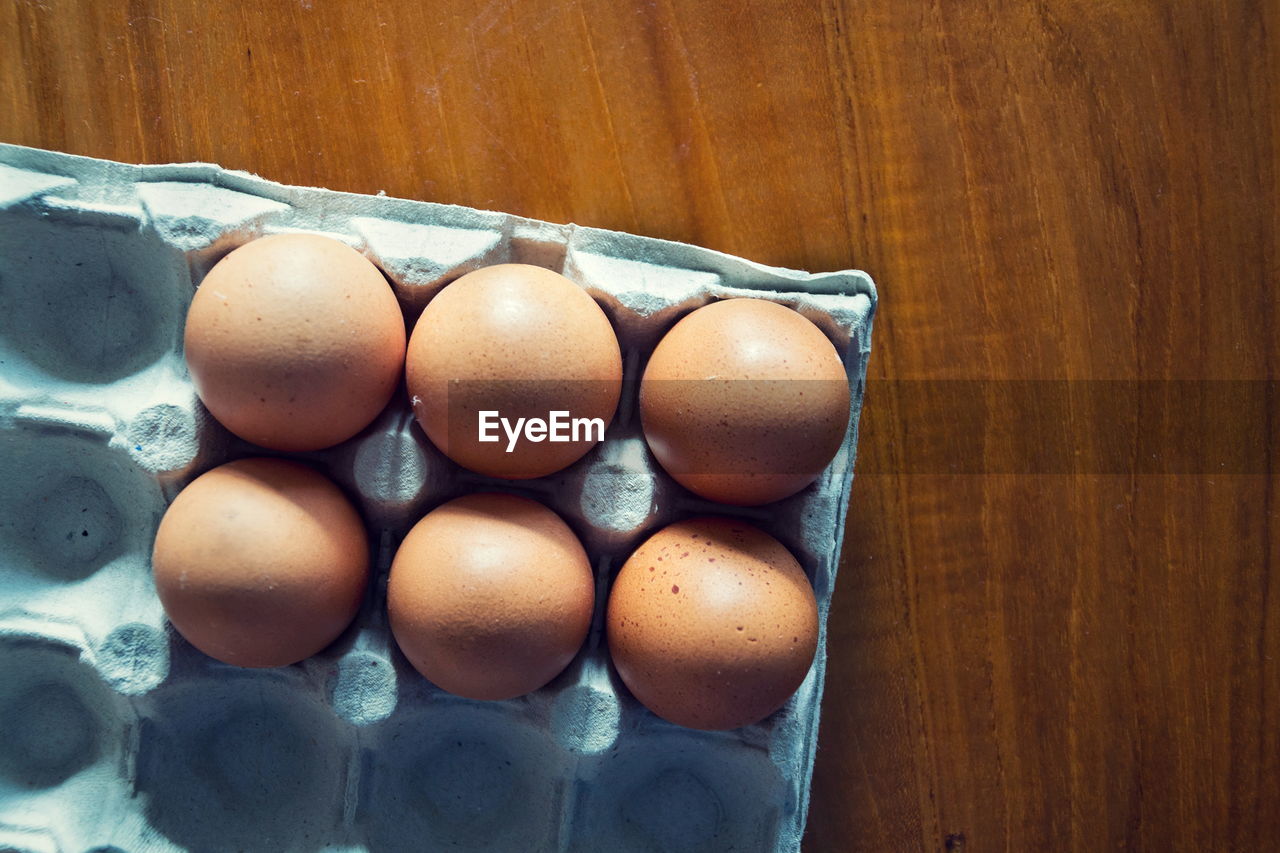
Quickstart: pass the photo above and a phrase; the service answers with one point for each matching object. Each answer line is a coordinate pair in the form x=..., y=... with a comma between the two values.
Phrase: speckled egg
x=712, y=624
x=261, y=562
x=744, y=402
x=490, y=596
x=522, y=342
x=295, y=342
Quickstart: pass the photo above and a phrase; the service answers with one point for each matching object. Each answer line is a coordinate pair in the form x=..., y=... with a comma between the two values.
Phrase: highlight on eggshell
x=744, y=402
x=712, y=624
x=295, y=342
x=261, y=562
x=490, y=596
x=514, y=371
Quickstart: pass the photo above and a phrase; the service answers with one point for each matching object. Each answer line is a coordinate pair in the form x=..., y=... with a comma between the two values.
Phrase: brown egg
x=261, y=562
x=490, y=596
x=295, y=342
x=744, y=402
x=712, y=624
x=523, y=342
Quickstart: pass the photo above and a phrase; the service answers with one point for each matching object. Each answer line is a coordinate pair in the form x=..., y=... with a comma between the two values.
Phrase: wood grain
x=1055, y=189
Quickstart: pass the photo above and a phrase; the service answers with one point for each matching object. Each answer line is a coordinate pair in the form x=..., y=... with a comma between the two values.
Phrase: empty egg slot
x=105, y=304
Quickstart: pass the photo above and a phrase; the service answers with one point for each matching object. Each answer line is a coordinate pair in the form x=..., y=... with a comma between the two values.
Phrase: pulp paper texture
x=116, y=734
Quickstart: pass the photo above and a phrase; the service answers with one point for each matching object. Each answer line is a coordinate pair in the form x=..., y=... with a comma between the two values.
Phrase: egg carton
x=116, y=735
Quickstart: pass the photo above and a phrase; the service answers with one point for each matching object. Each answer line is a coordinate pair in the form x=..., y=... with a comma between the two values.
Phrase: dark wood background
x=1050, y=189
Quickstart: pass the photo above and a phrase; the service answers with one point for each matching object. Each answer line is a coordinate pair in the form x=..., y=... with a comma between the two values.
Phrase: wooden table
x=1023, y=655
